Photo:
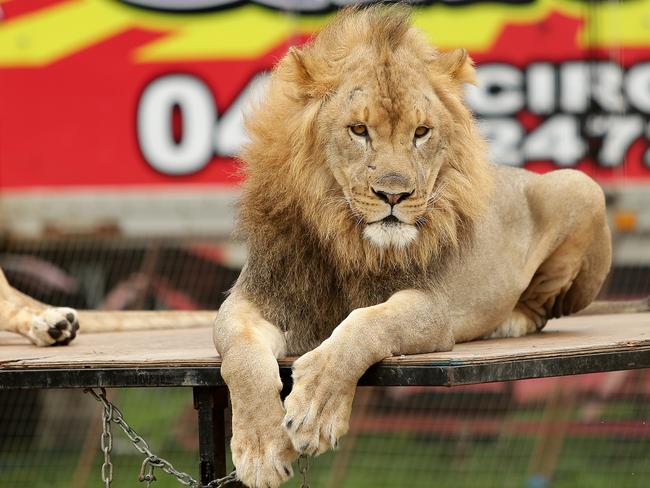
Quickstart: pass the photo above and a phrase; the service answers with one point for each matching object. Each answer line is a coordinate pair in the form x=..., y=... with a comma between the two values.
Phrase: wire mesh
x=590, y=430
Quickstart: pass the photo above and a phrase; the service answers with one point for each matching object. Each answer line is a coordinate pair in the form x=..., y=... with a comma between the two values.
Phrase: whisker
x=435, y=196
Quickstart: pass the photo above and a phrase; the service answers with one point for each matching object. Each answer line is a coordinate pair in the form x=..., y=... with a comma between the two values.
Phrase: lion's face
x=385, y=146
x=363, y=144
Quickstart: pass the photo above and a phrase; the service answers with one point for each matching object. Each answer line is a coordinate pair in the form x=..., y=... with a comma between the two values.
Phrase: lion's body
x=375, y=226
x=542, y=251
x=530, y=219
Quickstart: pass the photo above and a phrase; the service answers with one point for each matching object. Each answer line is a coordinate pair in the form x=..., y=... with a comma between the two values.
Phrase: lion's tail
x=111, y=321
x=613, y=307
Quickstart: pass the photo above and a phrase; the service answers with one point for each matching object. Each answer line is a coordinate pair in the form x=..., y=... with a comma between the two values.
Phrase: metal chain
x=113, y=414
x=303, y=467
x=106, y=443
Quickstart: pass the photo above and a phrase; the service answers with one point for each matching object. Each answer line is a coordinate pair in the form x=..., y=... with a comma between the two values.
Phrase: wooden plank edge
x=378, y=375
x=415, y=360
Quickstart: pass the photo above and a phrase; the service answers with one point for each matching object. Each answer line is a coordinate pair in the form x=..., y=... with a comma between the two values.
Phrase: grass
x=378, y=460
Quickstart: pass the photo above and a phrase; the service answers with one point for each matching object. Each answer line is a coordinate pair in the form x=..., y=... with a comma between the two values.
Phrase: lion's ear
x=298, y=67
x=297, y=63
x=458, y=65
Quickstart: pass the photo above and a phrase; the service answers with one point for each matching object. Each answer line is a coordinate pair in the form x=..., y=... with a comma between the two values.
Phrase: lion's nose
x=392, y=198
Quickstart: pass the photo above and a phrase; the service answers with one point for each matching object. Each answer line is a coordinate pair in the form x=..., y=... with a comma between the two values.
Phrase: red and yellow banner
x=102, y=93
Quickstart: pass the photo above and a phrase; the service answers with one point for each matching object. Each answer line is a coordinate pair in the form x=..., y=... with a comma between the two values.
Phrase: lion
x=376, y=226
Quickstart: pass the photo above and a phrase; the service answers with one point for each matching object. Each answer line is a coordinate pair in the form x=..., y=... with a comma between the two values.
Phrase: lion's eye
x=359, y=130
x=421, y=131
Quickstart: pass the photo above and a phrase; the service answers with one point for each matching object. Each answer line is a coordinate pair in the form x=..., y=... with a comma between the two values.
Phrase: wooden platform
x=188, y=358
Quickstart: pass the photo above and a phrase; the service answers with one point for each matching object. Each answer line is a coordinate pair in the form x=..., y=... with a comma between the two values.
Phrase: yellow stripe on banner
x=242, y=32
x=58, y=31
x=478, y=26
x=620, y=24
x=55, y=32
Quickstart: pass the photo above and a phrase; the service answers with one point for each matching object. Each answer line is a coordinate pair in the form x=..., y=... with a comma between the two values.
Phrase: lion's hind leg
x=546, y=295
x=562, y=285
x=574, y=248
x=42, y=325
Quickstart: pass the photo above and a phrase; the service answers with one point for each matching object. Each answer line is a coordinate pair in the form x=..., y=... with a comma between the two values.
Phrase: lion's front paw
x=318, y=408
x=54, y=326
x=262, y=457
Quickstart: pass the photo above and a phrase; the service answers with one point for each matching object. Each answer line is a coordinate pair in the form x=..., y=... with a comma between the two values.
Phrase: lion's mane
x=308, y=261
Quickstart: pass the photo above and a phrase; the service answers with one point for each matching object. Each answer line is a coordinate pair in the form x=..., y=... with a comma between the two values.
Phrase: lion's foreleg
x=249, y=346
x=42, y=325
x=324, y=380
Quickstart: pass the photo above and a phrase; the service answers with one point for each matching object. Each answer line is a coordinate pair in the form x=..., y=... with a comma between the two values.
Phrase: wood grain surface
x=193, y=347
